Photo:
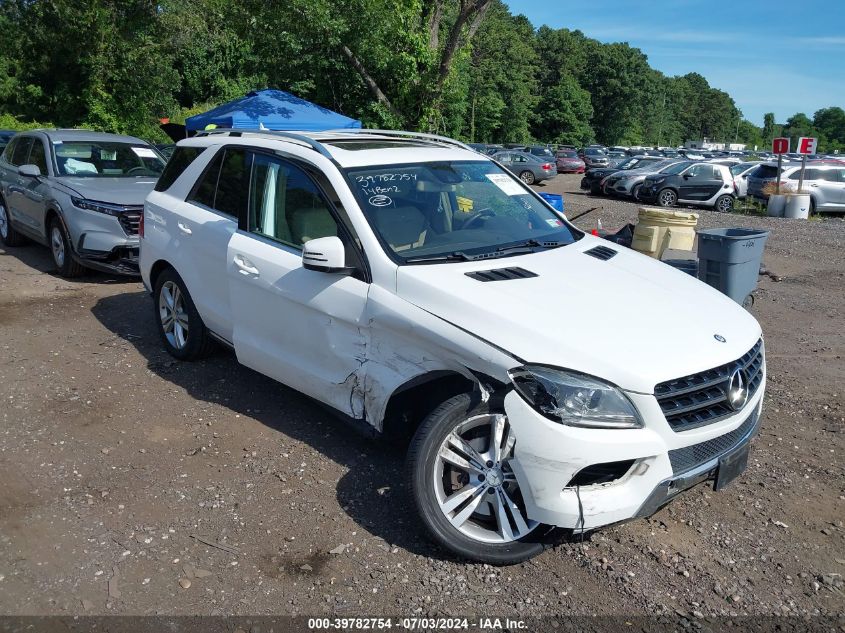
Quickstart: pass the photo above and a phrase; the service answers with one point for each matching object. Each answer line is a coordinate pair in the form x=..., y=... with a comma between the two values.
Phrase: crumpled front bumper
x=548, y=455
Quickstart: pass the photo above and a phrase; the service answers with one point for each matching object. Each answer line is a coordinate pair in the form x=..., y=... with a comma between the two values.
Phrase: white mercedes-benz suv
x=545, y=378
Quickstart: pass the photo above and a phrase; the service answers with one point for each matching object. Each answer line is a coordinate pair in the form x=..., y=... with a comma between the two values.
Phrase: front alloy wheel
x=464, y=486
x=57, y=245
x=474, y=483
x=66, y=265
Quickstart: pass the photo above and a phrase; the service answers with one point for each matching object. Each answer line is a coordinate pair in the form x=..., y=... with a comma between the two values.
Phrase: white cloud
x=822, y=40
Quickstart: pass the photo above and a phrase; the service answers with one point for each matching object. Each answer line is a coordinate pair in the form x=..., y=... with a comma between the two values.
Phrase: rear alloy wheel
x=179, y=324
x=8, y=235
x=724, y=204
x=465, y=489
x=527, y=177
x=66, y=265
x=635, y=192
x=667, y=198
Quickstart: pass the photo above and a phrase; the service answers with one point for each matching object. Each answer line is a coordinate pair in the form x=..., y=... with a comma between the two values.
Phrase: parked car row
x=407, y=282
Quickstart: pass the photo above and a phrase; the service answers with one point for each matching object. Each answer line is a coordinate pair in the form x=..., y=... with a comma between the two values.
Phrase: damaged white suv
x=548, y=378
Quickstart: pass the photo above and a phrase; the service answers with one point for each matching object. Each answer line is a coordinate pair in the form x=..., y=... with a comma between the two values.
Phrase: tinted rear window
x=766, y=171
x=182, y=157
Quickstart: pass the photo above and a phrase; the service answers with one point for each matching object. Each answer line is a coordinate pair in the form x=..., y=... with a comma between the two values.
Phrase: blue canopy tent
x=273, y=110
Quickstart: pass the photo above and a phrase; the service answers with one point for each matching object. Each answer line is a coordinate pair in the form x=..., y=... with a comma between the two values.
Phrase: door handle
x=184, y=228
x=245, y=266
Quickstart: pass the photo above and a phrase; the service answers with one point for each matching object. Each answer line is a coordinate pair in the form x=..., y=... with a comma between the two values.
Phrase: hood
x=127, y=191
x=630, y=320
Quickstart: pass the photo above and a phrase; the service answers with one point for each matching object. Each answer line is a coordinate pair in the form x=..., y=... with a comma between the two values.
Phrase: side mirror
x=325, y=255
x=687, y=176
x=30, y=171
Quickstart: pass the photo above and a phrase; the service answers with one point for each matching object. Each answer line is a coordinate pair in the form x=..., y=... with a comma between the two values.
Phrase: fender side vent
x=601, y=252
x=501, y=274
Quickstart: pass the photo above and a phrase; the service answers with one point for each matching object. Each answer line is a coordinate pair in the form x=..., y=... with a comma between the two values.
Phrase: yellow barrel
x=658, y=230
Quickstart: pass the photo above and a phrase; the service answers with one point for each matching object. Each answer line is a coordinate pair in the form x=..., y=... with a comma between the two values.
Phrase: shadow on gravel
x=372, y=492
x=39, y=258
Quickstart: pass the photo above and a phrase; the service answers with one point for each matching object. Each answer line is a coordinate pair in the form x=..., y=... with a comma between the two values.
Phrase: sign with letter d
x=780, y=146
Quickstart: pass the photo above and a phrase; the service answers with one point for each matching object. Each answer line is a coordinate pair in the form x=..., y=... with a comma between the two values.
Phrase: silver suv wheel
x=475, y=487
x=57, y=245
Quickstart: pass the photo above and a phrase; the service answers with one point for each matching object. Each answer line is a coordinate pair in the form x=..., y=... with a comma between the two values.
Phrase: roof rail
x=402, y=133
x=315, y=145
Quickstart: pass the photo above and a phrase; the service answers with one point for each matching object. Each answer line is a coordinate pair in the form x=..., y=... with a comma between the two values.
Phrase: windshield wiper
x=457, y=256
x=529, y=244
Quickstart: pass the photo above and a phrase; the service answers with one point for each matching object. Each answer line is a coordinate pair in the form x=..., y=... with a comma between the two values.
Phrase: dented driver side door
x=301, y=327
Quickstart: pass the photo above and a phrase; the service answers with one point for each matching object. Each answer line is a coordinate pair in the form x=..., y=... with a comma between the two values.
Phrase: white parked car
x=419, y=289
x=740, y=173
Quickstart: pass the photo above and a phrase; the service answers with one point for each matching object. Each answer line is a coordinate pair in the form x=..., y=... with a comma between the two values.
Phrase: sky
x=781, y=56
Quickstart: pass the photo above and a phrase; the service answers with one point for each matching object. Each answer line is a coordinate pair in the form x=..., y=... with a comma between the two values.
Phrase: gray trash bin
x=729, y=260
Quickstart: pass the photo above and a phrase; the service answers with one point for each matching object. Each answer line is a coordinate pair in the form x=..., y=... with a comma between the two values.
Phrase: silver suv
x=825, y=181
x=79, y=192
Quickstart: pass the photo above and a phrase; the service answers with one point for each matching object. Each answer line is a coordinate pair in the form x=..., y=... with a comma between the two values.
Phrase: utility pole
x=660, y=127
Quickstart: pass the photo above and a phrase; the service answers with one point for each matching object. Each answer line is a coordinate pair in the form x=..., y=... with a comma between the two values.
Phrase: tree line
x=464, y=68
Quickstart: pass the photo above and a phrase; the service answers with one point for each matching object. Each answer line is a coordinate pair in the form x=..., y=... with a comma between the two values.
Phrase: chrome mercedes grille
x=701, y=398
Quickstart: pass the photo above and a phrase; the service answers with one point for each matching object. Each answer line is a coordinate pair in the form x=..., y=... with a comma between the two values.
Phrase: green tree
x=769, y=128
x=830, y=122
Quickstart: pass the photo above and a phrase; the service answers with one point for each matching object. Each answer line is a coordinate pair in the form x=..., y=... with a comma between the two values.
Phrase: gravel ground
x=134, y=484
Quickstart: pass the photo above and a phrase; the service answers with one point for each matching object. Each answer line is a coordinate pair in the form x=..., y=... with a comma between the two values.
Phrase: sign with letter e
x=780, y=146
x=807, y=145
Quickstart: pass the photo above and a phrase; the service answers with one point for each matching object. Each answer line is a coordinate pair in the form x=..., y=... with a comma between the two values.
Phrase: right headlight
x=575, y=399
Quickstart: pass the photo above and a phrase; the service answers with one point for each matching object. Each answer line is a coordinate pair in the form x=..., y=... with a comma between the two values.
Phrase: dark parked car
x=593, y=157
x=528, y=167
x=700, y=184
x=569, y=162
x=593, y=177
x=540, y=151
x=166, y=149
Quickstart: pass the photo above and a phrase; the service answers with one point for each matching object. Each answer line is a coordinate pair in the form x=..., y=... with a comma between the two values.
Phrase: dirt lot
x=133, y=484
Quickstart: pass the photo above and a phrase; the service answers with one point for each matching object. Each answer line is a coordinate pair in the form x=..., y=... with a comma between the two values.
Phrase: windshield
x=675, y=168
x=108, y=159
x=436, y=211
x=567, y=154
x=632, y=163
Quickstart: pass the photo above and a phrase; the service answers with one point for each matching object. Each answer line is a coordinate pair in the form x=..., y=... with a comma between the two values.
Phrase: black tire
x=198, y=342
x=666, y=198
x=8, y=235
x=635, y=192
x=422, y=459
x=527, y=177
x=724, y=204
x=595, y=188
x=59, y=243
x=812, y=210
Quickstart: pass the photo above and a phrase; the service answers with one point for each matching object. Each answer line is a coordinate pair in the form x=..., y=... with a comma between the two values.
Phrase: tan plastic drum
x=658, y=230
